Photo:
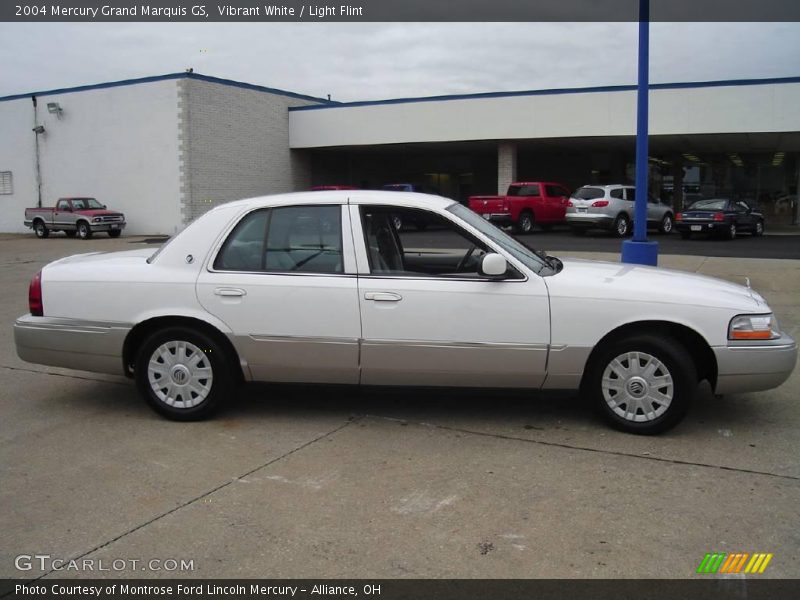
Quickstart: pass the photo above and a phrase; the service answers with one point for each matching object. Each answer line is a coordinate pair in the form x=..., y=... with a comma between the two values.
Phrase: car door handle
x=230, y=292
x=383, y=296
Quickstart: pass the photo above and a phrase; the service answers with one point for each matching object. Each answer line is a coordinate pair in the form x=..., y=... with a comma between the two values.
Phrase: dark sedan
x=720, y=217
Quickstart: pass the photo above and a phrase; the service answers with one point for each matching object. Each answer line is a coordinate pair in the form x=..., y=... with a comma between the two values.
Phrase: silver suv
x=611, y=207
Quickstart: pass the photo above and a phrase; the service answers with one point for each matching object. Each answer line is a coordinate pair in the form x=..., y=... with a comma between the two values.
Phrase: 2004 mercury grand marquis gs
x=320, y=287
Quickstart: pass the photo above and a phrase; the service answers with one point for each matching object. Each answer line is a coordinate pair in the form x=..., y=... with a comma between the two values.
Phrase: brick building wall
x=233, y=144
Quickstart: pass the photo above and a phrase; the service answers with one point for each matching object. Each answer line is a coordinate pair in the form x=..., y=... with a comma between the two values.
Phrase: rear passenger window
x=617, y=194
x=554, y=191
x=304, y=239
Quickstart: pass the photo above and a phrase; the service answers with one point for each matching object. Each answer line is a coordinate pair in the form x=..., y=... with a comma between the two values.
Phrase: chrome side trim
x=446, y=344
x=71, y=343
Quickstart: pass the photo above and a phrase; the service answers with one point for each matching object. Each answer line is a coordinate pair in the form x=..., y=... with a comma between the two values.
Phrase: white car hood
x=610, y=281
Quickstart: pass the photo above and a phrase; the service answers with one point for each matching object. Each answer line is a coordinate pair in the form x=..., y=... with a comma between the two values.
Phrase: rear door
x=284, y=282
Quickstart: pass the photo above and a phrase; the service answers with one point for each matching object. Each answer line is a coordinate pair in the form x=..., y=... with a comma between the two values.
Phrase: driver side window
x=418, y=243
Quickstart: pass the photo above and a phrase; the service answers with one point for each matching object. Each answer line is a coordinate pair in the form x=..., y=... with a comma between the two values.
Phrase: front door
x=428, y=316
x=284, y=282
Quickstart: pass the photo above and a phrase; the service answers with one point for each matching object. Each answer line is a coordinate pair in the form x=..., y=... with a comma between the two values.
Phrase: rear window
x=589, y=193
x=524, y=190
x=709, y=205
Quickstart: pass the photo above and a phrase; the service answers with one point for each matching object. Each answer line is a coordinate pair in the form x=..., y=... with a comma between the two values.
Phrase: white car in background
x=321, y=287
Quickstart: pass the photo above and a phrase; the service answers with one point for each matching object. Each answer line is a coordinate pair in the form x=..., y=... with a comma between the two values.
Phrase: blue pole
x=639, y=250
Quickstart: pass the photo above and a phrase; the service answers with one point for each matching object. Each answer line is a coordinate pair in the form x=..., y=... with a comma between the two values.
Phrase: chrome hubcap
x=667, y=225
x=637, y=387
x=622, y=227
x=180, y=374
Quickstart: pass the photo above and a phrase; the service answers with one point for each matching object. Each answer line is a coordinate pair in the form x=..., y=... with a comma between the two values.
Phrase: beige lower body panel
x=452, y=364
x=300, y=359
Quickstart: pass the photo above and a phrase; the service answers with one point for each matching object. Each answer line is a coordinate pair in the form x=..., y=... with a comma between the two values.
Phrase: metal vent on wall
x=5, y=183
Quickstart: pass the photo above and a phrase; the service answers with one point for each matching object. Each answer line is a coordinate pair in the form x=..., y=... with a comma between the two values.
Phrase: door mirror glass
x=493, y=265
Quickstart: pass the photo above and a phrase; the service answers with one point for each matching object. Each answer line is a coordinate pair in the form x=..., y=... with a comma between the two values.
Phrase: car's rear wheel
x=183, y=374
x=40, y=229
x=84, y=231
x=525, y=222
x=666, y=224
x=642, y=384
x=758, y=229
x=114, y=233
x=621, y=226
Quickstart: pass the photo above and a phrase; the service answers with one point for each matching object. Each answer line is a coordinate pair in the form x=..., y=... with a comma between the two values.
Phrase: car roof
x=609, y=185
x=402, y=199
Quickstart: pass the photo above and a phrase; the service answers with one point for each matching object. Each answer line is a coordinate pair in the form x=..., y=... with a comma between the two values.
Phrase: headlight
x=754, y=327
x=96, y=220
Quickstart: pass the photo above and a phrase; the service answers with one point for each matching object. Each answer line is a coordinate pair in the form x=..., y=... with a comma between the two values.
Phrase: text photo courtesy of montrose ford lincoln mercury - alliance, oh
x=321, y=287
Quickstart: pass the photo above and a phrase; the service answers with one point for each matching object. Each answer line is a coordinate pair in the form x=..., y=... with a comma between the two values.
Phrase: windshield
x=516, y=249
x=588, y=193
x=709, y=205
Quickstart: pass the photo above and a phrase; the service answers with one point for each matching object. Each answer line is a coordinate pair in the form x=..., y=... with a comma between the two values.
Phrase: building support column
x=506, y=165
x=796, y=204
x=677, y=184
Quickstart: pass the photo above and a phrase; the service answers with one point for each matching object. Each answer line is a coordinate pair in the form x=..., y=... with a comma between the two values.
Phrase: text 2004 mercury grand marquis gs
x=321, y=287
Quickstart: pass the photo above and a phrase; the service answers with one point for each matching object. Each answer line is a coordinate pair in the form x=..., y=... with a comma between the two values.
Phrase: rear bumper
x=501, y=218
x=71, y=343
x=752, y=368
x=589, y=220
x=702, y=226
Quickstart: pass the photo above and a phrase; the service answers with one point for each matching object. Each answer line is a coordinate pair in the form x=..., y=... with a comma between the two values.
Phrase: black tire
x=71, y=233
x=579, y=231
x=758, y=228
x=685, y=235
x=621, y=226
x=84, y=231
x=675, y=362
x=40, y=229
x=114, y=233
x=525, y=222
x=667, y=224
x=222, y=383
x=730, y=232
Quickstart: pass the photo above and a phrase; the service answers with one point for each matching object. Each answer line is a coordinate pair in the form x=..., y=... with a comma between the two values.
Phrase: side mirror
x=103, y=206
x=493, y=265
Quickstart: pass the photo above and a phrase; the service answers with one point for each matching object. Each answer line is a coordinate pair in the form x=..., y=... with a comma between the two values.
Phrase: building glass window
x=6, y=185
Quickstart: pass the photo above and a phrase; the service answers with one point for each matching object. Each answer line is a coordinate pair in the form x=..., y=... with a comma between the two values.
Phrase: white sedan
x=321, y=287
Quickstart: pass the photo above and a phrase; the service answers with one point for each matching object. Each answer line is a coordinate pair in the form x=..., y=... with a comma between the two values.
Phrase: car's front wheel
x=183, y=374
x=642, y=384
x=84, y=231
x=758, y=229
x=525, y=222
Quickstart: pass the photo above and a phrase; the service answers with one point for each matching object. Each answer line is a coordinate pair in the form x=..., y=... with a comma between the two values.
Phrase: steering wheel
x=462, y=264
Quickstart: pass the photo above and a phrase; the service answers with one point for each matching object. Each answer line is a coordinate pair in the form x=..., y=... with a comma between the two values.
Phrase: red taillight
x=600, y=203
x=35, y=296
x=719, y=217
x=679, y=216
x=569, y=203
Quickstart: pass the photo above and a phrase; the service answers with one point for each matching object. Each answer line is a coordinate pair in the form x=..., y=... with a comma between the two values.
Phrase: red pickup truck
x=525, y=204
x=75, y=216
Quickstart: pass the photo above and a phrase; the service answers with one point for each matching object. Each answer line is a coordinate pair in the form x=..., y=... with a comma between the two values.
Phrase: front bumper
x=107, y=226
x=755, y=366
x=71, y=343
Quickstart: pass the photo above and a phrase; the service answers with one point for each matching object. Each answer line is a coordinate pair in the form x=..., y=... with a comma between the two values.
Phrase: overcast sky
x=374, y=61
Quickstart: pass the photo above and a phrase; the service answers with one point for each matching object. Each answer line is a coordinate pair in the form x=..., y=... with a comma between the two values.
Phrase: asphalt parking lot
x=294, y=481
